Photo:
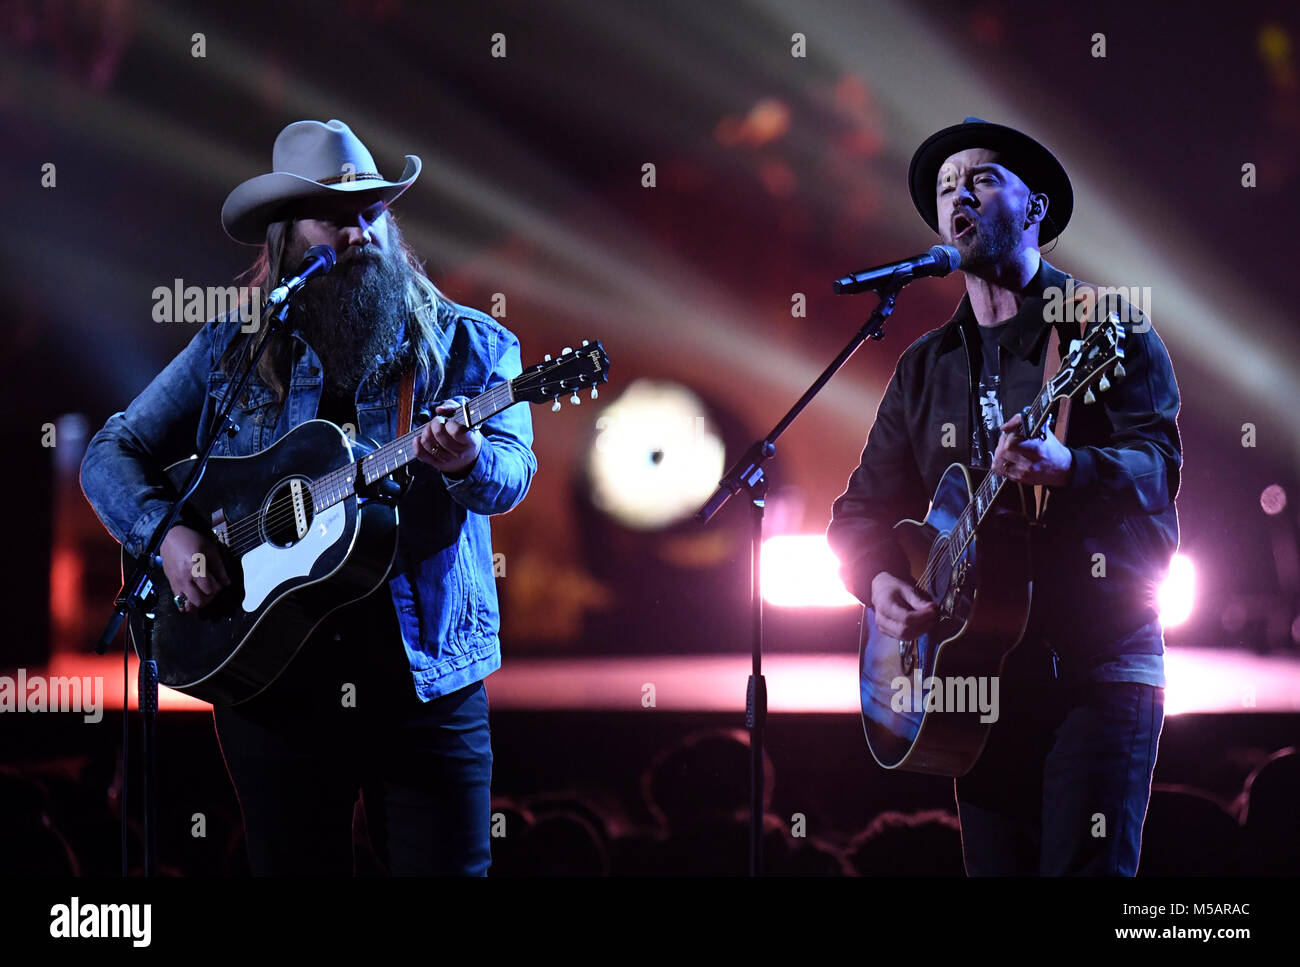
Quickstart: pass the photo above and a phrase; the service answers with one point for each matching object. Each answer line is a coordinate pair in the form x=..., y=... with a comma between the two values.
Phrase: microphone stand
x=138, y=596
x=747, y=475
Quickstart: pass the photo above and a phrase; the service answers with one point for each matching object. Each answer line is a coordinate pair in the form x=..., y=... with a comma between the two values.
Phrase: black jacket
x=1118, y=503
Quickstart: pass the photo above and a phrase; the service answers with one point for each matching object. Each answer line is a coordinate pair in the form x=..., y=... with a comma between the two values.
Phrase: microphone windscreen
x=946, y=259
x=321, y=252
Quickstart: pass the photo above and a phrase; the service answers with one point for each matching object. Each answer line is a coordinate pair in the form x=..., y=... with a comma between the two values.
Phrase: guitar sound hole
x=288, y=513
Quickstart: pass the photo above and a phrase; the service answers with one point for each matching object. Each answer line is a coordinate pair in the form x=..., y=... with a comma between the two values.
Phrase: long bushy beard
x=353, y=315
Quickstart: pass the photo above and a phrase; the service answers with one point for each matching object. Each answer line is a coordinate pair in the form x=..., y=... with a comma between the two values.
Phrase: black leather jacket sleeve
x=884, y=489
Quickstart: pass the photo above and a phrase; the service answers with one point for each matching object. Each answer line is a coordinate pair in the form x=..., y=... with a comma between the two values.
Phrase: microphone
x=938, y=262
x=318, y=260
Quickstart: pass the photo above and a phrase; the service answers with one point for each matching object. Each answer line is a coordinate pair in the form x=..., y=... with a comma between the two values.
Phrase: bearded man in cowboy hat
x=1063, y=783
x=409, y=659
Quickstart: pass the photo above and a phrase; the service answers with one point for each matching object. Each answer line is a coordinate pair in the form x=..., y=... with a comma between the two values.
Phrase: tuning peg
x=546, y=358
x=575, y=399
x=1103, y=384
x=1088, y=397
x=586, y=342
x=594, y=394
x=567, y=350
x=556, y=407
x=1119, y=371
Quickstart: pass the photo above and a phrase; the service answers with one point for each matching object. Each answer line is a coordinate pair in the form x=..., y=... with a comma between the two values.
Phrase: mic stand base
x=138, y=592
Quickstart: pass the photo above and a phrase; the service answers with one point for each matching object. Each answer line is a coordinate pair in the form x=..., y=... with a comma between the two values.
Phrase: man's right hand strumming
x=179, y=564
x=902, y=611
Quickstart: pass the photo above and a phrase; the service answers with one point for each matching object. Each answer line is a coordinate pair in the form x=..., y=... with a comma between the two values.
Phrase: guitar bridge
x=219, y=530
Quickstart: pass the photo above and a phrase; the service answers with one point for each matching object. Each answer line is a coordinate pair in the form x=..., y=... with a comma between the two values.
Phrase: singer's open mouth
x=961, y=224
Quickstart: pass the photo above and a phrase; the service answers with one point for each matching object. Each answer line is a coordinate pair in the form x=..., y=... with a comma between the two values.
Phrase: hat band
x=350, y=176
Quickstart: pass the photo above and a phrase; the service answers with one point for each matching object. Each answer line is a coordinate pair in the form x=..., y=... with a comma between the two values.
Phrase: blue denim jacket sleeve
x=500, y=477
x=122, y=472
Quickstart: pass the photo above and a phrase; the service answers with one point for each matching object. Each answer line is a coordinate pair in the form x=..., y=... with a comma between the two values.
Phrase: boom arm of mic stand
x=748, y=470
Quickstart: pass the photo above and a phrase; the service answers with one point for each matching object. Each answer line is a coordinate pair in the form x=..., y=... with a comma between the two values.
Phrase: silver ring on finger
x=180, y=601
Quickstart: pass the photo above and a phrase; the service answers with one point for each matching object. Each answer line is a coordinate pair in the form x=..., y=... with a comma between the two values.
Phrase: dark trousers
x=345, y=718
x=1063, y=784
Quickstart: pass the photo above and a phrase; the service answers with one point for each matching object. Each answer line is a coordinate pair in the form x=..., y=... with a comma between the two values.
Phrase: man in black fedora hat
x=386, y=696
x=1062, y=785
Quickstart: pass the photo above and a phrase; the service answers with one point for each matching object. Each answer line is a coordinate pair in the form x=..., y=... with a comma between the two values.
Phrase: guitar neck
x=340, y=484
x=1086, y=362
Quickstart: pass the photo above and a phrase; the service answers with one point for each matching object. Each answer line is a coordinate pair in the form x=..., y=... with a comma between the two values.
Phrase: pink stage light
x=1177, y=592
x=800, y=571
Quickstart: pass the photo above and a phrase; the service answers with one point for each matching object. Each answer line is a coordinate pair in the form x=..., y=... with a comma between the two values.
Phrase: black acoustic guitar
x=304, y=529
x=928, y=704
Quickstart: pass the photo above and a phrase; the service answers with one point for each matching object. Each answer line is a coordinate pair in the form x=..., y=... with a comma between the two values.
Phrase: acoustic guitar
x=305, y=526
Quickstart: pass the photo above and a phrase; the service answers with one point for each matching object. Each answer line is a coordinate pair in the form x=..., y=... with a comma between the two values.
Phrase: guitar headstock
x=1088, y=360
x=568, y=372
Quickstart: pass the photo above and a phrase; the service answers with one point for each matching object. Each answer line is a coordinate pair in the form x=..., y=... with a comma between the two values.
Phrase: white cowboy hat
x=310, y=160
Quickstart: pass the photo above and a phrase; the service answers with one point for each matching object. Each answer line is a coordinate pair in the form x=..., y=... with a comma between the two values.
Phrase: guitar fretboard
x=972, y=514
x=337, y=485
x=1086, y=360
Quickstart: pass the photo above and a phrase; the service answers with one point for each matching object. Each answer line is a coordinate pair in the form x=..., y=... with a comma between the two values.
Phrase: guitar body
x=288, y=571
x=983, y=603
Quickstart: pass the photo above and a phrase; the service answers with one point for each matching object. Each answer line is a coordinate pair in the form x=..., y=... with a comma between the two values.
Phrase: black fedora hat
x=1033, y=164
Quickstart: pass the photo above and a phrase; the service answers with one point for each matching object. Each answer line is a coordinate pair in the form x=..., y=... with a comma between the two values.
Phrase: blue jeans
x=298, y=754
x=1063, y=784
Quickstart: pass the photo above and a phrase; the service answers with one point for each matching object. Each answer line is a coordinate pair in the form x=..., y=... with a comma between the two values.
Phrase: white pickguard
x=266, y=566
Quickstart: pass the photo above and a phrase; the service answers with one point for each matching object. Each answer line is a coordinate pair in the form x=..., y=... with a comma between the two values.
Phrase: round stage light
x=1273, y=499
x=657, y=456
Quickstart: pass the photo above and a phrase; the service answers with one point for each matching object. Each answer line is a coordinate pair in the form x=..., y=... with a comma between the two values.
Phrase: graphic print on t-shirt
x=990, y=407
x=991, y=412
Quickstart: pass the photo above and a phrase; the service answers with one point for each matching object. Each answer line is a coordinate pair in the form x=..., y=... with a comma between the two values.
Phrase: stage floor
x=1200, y=680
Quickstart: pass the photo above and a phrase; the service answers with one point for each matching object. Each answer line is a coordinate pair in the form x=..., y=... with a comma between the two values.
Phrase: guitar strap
x=1085, y=296
x=406, y=401
x=405, y=407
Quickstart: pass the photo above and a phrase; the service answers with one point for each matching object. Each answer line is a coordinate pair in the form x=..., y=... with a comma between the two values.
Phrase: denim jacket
x=441, y=580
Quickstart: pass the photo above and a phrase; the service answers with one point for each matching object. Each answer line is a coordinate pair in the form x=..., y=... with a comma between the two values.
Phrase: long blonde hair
x=422, y=301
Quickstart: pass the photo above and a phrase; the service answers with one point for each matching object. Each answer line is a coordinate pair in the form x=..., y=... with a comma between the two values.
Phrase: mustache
x=365, y=285
x=353, y=269
x=365, y=269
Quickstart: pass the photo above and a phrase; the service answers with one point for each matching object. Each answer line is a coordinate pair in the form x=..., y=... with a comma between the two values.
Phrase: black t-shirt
x=338, y=409
x=989, y=394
